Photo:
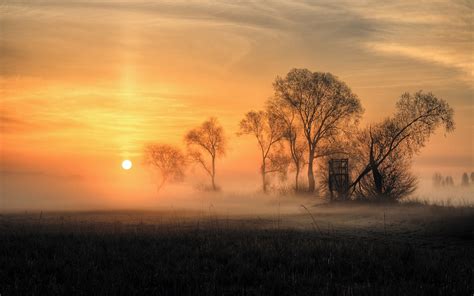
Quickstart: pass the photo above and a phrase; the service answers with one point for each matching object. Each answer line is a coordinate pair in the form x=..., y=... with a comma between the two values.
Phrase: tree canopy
x=208, y=139
x=168, y=160
x=324, y=105
x=405, y=133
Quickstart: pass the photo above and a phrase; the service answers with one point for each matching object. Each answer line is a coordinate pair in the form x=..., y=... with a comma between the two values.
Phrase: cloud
x=89, y=80
x=38, y=173
x=435, y=33
x=444, y=57
x=15, y=167
x=14, y=123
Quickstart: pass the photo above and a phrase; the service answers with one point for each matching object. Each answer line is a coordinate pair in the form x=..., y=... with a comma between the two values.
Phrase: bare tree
x=449, y=181
x=398, y=180
x=472, y=177
x=297, y=151
x=292, y=134
x=465, y=180
x=207, y=139
x=168, y=160
x=437, y=179
x=440, y=180
x=405, y=133
x=268, y=131
x=324, y=105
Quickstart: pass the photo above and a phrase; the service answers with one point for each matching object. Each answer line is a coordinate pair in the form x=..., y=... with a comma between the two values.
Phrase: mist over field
x=242, y=195
x=253, y=147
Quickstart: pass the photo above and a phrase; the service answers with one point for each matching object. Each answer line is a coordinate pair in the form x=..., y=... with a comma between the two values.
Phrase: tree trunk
x=264, y=181
x=375, y=172
x=297, y=189
x=162, y=183
x=311, y=182
x=378, y=181
x=213, y=173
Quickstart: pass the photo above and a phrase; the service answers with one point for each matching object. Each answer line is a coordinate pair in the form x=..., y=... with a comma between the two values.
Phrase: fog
x=85, y=85
x=241, y=195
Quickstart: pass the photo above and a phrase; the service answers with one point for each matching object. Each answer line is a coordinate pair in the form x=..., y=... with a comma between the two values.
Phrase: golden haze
x=85, y=85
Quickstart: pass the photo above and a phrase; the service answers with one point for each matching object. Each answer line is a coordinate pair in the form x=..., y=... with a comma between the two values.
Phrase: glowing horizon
x=85, y=85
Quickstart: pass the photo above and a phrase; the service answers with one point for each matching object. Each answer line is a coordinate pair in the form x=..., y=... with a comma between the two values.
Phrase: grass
x=105, y=253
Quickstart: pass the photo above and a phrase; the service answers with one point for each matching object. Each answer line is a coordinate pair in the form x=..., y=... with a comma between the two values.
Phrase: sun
x=126, y=164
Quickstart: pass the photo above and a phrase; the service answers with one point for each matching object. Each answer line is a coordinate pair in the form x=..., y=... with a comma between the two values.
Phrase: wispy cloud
x=37, y=173
x=103, y=77
x=445, y=57
x=437, y=33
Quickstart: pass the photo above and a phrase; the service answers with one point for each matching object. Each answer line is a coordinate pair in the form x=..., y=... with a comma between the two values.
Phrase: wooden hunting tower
x=338, y=177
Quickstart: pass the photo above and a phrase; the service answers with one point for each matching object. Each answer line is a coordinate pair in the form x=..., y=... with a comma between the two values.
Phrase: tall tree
x=292, y=133
x=207, y=139
x=268, y=131
x=324, y=105
x=168, y=160
x=437, y=179
x=416, y=118
x=465, y=179
x=449, y=181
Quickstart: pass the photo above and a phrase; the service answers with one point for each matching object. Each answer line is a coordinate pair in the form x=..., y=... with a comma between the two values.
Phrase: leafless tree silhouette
x=437, y=179
x=398, y=181
x=404, y=134
x=207, y=139
x=268, y=131
x=293, y=134
x=440, y=180
x=168, y=160
x=449, y=181
x=324, y=105
x=465, y=179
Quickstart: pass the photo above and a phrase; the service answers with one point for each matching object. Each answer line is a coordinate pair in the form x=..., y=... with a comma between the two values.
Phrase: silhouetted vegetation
x=169, y=161
x=325, y=107
x=441, y=181
x=63, y=254
x=297, y=147
x=269, y=132
x=396, y=180
x=208, y=139
x=389, y=145
x=312, y=118
x=465, y=179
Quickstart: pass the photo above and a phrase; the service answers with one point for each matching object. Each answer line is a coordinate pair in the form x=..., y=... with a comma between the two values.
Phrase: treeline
x=313, y=117
x=447, y=181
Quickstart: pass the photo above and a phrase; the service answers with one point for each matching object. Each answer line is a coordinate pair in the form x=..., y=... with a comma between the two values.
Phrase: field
x=323, y=250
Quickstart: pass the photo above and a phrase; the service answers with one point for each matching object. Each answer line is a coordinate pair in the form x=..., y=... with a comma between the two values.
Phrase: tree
x=405, y=133
x=323, y=104
x=472, y=177
x=168, y=160
x=207, y=139
x=465, y=180
x=449, y=181
x=297, y=152
x=292, y=133
x=437, y=179
x=398, y=180
x=268, y=131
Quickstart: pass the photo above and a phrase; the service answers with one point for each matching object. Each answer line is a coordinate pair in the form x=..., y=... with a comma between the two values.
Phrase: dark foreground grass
x=183, y=260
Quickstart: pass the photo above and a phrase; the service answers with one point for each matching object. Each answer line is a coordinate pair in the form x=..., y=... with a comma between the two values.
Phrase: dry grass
x=417, y=251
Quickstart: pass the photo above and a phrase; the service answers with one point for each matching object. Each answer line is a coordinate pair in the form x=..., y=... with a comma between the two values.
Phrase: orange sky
x=85, y=84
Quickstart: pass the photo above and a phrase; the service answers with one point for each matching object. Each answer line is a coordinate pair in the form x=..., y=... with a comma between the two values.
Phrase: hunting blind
x=338, y=177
